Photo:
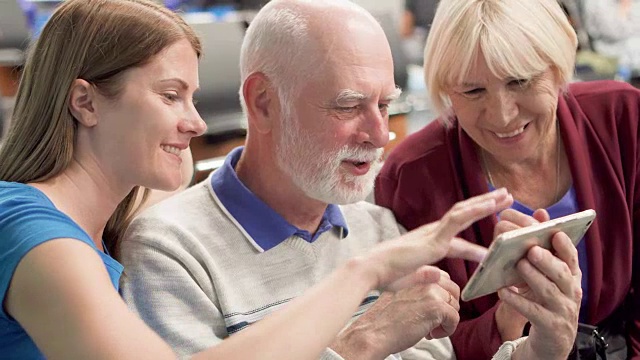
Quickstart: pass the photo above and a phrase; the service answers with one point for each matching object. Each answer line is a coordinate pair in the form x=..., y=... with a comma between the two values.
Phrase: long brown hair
x=94, y=40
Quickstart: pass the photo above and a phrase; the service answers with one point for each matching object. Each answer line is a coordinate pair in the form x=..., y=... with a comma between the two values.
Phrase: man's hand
x=399, y=320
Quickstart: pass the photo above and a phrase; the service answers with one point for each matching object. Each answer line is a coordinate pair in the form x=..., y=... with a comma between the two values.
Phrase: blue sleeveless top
x=27, y=219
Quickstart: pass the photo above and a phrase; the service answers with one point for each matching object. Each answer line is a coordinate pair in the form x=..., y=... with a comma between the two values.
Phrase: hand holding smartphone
x=498, y=270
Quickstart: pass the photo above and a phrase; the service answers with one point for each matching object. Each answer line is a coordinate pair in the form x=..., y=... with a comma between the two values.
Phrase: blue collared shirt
x=266, y=227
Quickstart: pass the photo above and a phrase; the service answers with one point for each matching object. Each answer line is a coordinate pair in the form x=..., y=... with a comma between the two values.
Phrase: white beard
x=318, y=172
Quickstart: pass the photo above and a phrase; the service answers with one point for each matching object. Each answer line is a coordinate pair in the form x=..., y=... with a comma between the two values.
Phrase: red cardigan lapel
x=581, y=166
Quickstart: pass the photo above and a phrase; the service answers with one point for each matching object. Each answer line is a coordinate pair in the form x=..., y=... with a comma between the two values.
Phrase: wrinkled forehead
x=372, y=80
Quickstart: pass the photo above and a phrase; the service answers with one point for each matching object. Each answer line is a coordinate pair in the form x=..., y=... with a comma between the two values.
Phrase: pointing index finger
x=465, y=213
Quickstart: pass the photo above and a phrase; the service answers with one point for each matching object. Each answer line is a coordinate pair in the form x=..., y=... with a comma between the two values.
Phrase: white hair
x=280, y=44
x=518, y=38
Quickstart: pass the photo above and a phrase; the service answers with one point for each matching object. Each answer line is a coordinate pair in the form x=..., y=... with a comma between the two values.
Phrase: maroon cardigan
x=438, y=166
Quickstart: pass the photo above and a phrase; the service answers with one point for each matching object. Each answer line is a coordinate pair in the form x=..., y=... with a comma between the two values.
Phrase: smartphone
x=497, y=270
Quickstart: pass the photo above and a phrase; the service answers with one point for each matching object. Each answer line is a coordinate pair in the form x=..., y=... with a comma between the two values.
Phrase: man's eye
x=383, y=107
x=347, y=109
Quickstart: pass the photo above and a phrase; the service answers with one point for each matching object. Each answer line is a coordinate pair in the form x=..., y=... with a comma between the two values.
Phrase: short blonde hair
x=518, y=38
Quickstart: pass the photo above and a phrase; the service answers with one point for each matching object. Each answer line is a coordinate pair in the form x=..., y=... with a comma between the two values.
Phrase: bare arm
x=392, y=265
x=61, y=294
x=431, y=311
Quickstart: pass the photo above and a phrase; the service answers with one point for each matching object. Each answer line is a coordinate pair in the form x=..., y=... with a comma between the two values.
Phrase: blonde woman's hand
x=552, y=301
x=509, y=321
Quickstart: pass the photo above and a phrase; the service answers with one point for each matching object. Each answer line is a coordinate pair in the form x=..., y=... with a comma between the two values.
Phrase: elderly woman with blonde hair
x=499, y=73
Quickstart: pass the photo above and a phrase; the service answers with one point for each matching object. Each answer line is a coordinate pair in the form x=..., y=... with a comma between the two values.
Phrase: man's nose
x=374, y=128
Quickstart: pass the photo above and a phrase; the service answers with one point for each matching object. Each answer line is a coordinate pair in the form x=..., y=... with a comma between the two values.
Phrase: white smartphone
x=497, y=270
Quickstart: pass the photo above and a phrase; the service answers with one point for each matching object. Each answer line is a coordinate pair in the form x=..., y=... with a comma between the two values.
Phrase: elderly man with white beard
x=287, y=208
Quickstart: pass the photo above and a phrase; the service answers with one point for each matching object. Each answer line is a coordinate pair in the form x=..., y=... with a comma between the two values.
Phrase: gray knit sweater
x=195, y=276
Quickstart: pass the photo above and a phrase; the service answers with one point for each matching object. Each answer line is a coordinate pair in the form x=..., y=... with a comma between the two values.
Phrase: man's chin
x=344, y=194
x=347, y=201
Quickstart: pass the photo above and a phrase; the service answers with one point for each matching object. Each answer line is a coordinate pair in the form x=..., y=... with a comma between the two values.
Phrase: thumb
x=440, y=332
x=424, y=275
x=541, y=215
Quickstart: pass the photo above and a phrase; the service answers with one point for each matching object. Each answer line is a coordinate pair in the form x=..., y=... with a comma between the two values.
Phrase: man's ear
x=261, y=100
x=82, y=102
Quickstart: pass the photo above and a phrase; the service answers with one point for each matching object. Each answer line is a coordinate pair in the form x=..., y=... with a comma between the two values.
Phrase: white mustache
x=360, y=155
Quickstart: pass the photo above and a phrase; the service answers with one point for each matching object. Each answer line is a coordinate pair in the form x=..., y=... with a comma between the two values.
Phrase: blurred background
x=608, y=32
